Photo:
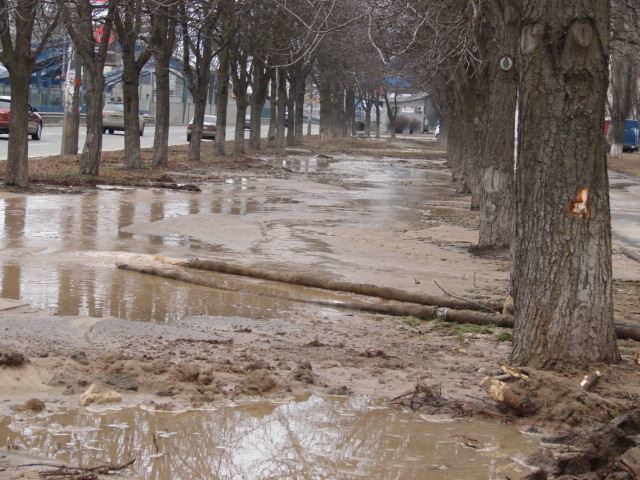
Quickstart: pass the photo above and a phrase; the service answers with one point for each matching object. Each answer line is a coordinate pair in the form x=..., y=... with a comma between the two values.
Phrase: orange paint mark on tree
x=580, y=205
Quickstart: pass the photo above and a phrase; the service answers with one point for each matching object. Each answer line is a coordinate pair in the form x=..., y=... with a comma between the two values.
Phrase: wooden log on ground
x=507, y=395
x=370, y=290
x=399, y=309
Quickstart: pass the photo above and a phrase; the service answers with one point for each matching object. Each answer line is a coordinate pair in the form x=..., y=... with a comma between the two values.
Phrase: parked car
x=208, y=128
x=35, y=120
x=113, y=118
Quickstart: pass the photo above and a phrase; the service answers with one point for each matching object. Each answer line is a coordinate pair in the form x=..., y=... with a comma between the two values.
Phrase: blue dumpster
x=631, y=130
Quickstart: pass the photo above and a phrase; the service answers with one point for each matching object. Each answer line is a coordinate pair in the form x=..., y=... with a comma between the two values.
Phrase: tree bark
x=259, y=87
x=197, y=126
x=128, y=26
x=291, y=115
x=163, y=112
x=94, y=97
x=281, y=108
x=131, y=99
x=163, y=41
x=561, y=271
x=496, y=161
x=300, y=90
x=241, y=113
x=221, y=102
x=273, y=108
x=17, y=170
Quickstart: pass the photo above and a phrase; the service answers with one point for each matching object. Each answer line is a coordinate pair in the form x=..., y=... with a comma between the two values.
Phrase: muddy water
x=57, y=252
x=312, y=438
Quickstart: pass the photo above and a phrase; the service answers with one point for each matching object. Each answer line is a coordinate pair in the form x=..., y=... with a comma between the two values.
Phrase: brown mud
x=360, y=211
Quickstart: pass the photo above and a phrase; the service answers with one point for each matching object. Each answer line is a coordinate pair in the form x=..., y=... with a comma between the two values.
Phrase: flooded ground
x=311, y=438
x=357, y=216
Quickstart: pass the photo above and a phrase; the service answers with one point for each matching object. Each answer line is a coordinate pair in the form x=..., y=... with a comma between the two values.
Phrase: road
x=52, y=138
x=625, y=211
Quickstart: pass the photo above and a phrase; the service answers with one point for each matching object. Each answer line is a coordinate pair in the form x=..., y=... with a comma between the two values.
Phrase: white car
x=113, y=118
x=436, y=132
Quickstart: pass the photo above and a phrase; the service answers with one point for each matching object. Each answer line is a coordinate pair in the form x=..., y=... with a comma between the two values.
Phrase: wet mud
x=315, y=437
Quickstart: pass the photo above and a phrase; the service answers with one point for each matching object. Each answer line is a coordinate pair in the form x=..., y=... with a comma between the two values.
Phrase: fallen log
x=367, y=289
x=400, y=309
x=507, y=395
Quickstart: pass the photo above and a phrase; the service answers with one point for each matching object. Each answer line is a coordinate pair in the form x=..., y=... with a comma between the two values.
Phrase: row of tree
x=506, y=75
x=259, y=51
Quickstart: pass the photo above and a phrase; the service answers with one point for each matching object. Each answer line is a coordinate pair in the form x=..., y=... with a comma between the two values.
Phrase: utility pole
x=71, y=97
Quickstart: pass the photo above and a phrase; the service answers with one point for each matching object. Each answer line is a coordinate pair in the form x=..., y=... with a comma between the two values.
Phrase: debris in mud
x=258, y=381
x=122, y=382
x=374, y=353
x=186, y=373
x=314, y=343
x=100, y=395
x=421, y=395
x=80, y=357
x=339, y=391
x=303, y=373
x=83, y=473
x=610, y=452
x=9, y=358
x=31, y=405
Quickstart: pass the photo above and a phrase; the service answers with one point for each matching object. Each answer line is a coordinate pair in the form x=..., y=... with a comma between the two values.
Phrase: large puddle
x=57, y=252
x=316, y=438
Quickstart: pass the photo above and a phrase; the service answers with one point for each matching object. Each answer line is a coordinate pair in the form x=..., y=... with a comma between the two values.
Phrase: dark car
x=35, y=120
x=208, y=128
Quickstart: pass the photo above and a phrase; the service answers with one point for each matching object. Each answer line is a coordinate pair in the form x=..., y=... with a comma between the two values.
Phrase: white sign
x=408, y=109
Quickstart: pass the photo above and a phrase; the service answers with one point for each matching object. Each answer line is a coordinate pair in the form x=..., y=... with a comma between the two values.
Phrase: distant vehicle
x=631, y=134
x=247, y=122
x=436, y=132
x=208, y=128
x=35, y=120
x=113, y=118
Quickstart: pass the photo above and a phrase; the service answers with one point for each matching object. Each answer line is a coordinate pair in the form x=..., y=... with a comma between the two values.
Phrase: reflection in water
x=315, y=438
x=102, y=292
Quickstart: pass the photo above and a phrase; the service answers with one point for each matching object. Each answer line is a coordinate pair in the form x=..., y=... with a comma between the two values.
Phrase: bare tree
x=90, y=28
x=561, y=274
x=20, y=21
x=162, y=43
x=199, y=22
x=129, y=20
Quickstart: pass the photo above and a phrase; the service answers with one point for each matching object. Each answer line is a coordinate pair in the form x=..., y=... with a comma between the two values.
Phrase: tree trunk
x=497, y=157
x=163, y=100
x=562, y=250
x=17, y=169
x=273, y=108
x=131, y=82
x=291, y=115
x=241, y=113
x=367, y=116
x=94, y=96
x=326, y=110
x=282, y=105
x=221, y=103
x=350, y=110
x=300, y=90
x=260, y=86
x=195, y=143
x=377, y=105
